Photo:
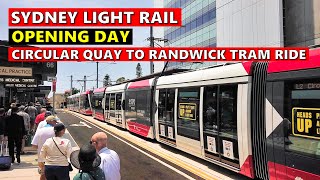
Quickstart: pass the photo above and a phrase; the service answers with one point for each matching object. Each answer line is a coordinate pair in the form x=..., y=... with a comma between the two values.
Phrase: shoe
x=12, y=160
x=18, y=160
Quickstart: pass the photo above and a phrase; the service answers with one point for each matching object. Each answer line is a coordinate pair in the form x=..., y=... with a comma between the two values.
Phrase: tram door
x=220, y=123
x=166, y=123
x=297, y=145
x=112, y=111
x=188, y=120
x=118, y=109
x=107, y=108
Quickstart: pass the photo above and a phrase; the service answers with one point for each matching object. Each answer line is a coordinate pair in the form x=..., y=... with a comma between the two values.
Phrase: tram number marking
x=50, y=65
x=306, y=122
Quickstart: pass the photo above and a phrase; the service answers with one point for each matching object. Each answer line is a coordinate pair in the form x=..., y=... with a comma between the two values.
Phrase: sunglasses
x=91, y=142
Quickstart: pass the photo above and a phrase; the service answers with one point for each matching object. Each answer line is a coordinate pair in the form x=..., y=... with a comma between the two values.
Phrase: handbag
x=70, y=166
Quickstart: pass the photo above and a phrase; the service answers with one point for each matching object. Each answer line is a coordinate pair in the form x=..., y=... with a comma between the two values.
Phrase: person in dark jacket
x=2, y=123
x=15, y=131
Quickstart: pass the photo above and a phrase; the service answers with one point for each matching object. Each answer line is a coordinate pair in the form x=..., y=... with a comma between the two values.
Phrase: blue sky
x=78, y=70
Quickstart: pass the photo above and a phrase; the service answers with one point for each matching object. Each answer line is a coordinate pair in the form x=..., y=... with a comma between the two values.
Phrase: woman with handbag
x=56, y=152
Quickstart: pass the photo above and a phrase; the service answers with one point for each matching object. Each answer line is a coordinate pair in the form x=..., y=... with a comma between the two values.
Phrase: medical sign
x=187, y=111
x=306, y=122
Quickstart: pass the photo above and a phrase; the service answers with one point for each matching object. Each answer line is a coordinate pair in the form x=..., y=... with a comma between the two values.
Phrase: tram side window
x=143, y=106
x=210, y=109
x=228, y=110
x=112, y=102
x=166, y=104
x=118, y=101
x=302, y=118
x=162, y=104
x=131, y=105
x=107, y=102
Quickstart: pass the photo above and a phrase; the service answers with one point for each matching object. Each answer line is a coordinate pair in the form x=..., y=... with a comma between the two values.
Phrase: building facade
x=198, y=30
x=242, y=23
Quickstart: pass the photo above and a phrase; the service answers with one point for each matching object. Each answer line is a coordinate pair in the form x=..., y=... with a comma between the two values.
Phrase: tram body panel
x=114, y=112
x=139, y=101
x=85, y=103
x=293, y=113
x=97, y=104
x=191, y=107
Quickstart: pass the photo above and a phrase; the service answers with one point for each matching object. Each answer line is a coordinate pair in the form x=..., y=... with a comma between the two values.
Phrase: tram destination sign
x=18, y=80
x=306, y=122
x=15, y=71
x=301, y=86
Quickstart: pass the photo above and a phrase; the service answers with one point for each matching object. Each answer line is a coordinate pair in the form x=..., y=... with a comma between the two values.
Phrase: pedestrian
x=40, y=117
x=11, y=106
x=15, y=131
x=110, y=162
x=32, y=111
x=26, y=120
x=56, y=151
x=87, y=161
x=2, y=123
x=44, y=123
x=38, y=107
x=40, y=138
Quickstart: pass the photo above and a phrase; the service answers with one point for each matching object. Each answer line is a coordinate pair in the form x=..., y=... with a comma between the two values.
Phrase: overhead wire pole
x=152, y=46
x=85, y=83
x=97, y=74
x=71, y=85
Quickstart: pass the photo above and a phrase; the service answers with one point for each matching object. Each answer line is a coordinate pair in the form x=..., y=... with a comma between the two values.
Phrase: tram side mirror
x=123, y=104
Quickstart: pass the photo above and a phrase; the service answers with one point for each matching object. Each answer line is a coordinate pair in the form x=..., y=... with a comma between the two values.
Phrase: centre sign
x=20, y=80
x=15, y=71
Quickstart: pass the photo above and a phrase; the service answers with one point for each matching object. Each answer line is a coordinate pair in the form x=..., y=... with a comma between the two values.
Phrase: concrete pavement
x=28, y=168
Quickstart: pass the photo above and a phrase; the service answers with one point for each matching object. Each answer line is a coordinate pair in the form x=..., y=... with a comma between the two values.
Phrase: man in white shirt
x=40, y=138
x=110, y=162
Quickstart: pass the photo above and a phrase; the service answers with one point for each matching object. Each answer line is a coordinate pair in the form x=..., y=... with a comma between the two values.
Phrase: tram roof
x=282, y=66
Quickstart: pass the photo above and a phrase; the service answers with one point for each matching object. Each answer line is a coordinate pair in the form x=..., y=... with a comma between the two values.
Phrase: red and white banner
x=52, y=54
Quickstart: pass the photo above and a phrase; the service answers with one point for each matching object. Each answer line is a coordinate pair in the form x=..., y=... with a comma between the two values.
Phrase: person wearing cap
x=55, y=152
x=44, y=123
x=87, y=161
x=26, y=119
x=40, y=117
x=40, y=138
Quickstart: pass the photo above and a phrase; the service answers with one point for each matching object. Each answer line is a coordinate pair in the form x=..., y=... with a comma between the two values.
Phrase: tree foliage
x=74, y=91
x=120, y=80
x=106, y=80
x=139, y=70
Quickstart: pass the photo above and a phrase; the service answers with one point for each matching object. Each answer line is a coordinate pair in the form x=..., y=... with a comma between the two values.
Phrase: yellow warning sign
x=306, y=122
x=187, y=111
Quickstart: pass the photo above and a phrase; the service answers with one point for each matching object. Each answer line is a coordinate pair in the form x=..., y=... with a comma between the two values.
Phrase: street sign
x=51, y=79
x=54, y=86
